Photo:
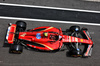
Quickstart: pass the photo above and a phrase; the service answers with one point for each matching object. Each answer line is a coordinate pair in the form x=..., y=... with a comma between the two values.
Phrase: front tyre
x=21, y=26
x=16, y=49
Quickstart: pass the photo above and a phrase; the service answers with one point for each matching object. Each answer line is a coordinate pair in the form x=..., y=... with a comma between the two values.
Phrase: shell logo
x=81, y=40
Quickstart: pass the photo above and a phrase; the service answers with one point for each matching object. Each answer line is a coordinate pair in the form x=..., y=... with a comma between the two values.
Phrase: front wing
x=10, y=34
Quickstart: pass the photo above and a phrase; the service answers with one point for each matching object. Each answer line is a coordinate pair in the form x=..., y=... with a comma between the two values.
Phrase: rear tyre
x=21, y=26
x=75, y=53
x=74, y=50
x=16, y=49
x=74, y=29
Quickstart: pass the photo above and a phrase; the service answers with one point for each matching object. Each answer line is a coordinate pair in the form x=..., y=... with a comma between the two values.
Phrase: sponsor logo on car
x=23, y=35
x=38, y=36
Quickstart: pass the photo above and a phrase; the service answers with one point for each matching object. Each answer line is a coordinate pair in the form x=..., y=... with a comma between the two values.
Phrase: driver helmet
x=45, y=34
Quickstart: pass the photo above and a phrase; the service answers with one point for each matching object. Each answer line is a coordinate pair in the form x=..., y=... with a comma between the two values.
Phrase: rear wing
x=10, y=34
x=88, y=48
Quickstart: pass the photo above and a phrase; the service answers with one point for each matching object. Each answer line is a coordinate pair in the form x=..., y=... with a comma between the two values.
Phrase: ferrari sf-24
x=47, y=38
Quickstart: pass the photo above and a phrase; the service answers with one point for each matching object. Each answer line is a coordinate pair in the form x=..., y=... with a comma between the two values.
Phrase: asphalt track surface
x=49, y=14
x=36, y=58
x=76, y=4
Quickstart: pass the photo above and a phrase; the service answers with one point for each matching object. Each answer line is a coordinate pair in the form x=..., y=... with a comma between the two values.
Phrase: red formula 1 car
x=48, y=38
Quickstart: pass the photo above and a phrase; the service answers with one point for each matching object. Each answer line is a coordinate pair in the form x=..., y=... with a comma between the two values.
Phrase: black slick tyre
x=21, y=25
x=16, y=49
x=74, y=28
x=75, y=53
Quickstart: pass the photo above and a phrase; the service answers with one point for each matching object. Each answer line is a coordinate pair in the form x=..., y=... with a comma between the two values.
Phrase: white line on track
x=50, y=21
x=58, y=8
x=53, y=21
x=93, y=0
